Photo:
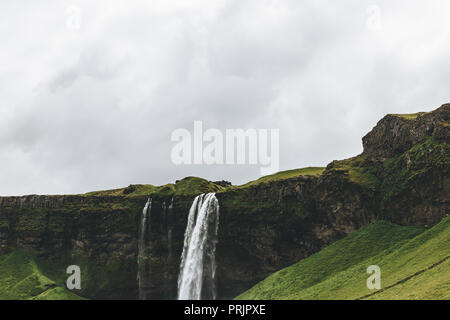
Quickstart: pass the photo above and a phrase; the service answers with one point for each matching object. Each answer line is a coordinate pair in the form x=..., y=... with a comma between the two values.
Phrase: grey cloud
x=96, y=108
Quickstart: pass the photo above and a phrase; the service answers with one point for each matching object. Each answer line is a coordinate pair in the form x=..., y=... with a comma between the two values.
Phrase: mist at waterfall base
x=198, y=266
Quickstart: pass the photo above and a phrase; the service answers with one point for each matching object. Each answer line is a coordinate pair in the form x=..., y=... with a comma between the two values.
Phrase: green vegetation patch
x=339, y=271
x=283, y=175
x=186, y=186
x=399, y=171
x=195, y=185
x=22, y=277
x=132, y=190
x=360, y=170
x=409, y=116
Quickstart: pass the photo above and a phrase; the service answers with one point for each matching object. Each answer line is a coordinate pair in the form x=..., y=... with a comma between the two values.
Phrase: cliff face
x=97, y=233
x=395, y=134
x=413, y=168
x=401, y=176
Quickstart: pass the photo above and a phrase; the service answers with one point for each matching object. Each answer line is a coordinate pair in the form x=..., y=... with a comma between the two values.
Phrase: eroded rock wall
x=401, y=176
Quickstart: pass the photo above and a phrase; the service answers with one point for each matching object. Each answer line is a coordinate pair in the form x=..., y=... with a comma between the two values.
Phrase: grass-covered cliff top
x=415, y=264
x=395, y=148
x=194, y=185
x=408, y=116
x=359, y=169
x=283, y=175
x=186, y=186
x=131, y=190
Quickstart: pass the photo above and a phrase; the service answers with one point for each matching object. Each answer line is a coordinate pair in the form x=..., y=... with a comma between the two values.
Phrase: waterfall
x=142, y=261
x=198, y=267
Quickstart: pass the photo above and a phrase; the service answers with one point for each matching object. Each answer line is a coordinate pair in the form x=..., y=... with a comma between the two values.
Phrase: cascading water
x=142, y=262
x=198, y=266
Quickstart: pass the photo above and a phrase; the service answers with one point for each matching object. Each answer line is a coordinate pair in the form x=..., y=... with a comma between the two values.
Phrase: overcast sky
x=89, y=101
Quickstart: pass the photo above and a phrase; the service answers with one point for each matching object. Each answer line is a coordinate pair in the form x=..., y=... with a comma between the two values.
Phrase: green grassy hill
x=23, y=277
x=283, y=175
x=185, y=186
x=414, y=262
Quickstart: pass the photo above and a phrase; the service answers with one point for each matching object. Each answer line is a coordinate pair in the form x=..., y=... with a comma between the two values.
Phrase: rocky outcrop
x=395, y=134
x=401, y=176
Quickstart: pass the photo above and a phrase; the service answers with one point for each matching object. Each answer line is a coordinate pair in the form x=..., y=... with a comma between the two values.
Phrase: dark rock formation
x=223, y=183
x=395, y=134
x=401, y=176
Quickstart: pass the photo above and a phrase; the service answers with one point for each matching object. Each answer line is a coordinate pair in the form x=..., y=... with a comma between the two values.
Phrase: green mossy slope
x=22, y=277
x=283, y=175
x=414, y=265
x=185, y=187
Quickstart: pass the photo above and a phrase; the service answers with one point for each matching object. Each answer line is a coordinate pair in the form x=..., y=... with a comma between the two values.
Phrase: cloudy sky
x=90, y=93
